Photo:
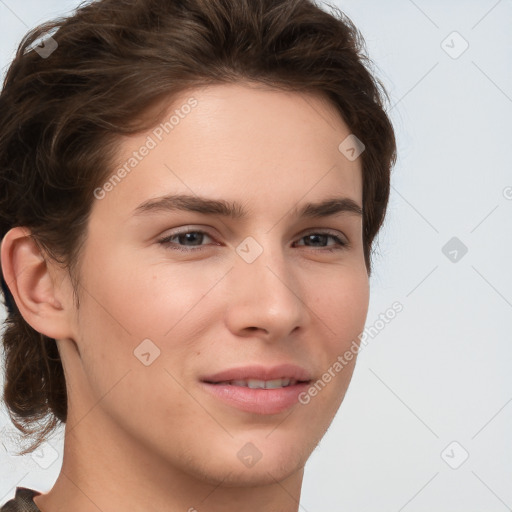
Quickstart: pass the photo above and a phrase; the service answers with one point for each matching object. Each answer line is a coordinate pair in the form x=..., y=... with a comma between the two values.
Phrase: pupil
x=192, y=237
x=317, y=238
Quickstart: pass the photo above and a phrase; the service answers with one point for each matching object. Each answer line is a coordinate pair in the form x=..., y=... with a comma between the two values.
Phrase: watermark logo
x=454, y=250
x=351, y=147
x=249, y=455
x=44, y=46
x=455, y=455
x=146, y=352
x=454, y=45
x=249, y=249
x=45, y=455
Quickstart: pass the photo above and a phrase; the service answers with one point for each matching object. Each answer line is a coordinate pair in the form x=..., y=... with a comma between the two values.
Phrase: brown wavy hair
x=63, y=115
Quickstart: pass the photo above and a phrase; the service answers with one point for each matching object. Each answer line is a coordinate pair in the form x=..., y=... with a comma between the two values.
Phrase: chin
x=261, y=474
x=252, y=461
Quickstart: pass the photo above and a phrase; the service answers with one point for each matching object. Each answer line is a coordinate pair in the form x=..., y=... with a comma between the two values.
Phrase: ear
x=43, y=300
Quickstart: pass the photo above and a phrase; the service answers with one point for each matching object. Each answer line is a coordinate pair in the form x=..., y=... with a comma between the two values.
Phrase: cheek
x=341, y=302
x=129, y=303
x=340, y=307
x=147, y=300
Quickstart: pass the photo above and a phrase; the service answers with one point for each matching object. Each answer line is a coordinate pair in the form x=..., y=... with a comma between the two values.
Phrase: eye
x=193, y=241
x=188, y=238
x=320, y=240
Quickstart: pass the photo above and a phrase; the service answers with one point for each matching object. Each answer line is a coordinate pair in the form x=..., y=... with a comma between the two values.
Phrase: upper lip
x=259, y=372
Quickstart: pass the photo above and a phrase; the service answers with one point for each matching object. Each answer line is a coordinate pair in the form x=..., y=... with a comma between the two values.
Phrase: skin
x=148, y=437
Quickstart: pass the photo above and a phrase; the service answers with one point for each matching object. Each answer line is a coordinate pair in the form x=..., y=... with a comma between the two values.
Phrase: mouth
x=260, y=384
x=258, y=389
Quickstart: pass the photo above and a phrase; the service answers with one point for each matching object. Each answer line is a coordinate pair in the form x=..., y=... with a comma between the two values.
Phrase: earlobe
x=32, y=284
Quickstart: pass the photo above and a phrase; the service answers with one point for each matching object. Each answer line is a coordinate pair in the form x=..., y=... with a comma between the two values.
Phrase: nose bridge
x=266, y=295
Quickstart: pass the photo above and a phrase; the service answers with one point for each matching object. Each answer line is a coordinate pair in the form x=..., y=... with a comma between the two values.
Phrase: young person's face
x=244, y=291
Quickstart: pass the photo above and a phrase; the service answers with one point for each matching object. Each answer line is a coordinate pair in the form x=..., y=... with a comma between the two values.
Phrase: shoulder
x=22, y=501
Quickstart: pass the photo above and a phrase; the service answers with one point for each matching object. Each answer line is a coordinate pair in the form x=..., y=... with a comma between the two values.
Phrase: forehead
x=237, y=141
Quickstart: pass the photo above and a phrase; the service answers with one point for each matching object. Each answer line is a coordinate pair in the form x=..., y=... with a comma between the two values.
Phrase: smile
x=261, y=384
x=258, y=389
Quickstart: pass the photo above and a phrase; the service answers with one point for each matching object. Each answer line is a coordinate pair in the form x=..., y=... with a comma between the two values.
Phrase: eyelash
x=166, y=241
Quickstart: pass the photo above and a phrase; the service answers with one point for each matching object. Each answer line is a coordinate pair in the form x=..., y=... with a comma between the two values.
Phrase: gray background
x=434, y=386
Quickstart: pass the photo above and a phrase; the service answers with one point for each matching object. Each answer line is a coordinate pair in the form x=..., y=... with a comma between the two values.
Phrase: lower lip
x=259, y=401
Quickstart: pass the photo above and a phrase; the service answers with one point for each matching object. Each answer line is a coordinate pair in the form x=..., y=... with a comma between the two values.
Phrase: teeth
x=255, y=384
x=263, y=384
x=278, y=383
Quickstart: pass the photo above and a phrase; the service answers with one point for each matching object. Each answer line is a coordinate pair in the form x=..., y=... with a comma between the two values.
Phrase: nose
x=265, y=298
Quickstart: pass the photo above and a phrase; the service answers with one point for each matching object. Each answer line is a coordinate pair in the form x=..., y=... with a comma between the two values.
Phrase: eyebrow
x=233, y=210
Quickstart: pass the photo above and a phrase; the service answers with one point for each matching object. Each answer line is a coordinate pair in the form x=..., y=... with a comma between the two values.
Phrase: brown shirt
x=22, y=501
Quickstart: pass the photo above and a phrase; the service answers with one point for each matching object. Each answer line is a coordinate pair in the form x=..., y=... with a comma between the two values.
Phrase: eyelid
x=189, y=228
x=183, y=231
x=326, y=231
x=342, y=241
